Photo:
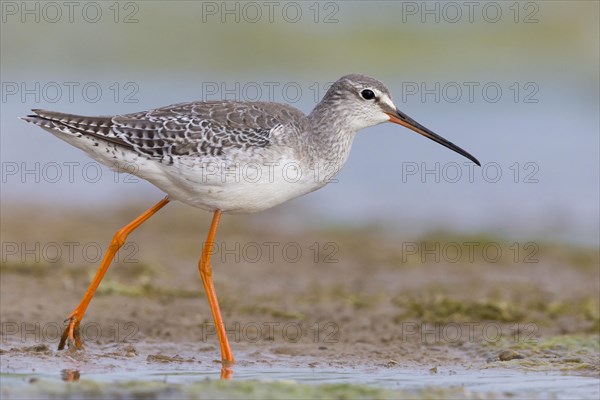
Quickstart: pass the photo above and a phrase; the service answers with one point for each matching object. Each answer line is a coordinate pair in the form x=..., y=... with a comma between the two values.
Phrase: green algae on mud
x=438, y=305
x=575, y=353
x=439, y=308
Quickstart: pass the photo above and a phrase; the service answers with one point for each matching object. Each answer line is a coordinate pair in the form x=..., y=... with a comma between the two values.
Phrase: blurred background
x=514, y=83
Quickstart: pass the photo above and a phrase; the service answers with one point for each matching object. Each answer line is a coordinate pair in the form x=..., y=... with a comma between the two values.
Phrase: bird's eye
x=367, y=94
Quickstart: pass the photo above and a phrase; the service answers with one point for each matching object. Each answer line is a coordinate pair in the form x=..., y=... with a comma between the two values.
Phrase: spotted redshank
x=227, y=156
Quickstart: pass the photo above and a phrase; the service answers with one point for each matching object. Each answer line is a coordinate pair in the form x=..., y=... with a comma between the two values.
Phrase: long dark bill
x=402, y=119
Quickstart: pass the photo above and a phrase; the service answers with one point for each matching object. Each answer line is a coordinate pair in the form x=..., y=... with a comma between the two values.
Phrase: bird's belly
x=241, y=197
x=241, y=189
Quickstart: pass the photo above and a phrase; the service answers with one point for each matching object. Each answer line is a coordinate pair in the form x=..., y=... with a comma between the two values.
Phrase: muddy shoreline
x=354, y=298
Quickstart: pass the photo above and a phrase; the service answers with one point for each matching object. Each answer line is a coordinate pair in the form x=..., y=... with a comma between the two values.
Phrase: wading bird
x=195, y=151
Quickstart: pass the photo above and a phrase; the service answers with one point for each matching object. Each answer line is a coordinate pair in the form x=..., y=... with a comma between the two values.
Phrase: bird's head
x=364, y=101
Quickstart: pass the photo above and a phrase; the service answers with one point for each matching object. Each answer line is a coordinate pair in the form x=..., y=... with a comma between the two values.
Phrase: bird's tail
x=70, y=124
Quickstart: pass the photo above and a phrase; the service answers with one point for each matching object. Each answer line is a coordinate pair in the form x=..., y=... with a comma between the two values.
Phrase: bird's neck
x=330, y=137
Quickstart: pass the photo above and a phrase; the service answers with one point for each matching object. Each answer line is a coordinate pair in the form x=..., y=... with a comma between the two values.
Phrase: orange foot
x=71, y=335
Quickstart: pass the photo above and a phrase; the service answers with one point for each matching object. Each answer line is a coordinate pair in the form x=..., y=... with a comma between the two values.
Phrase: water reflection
x=70, y=375
x=519, y=383
x=226, y=373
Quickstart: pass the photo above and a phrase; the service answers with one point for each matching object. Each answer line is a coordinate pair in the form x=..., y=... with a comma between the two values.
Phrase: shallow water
x=474, y=383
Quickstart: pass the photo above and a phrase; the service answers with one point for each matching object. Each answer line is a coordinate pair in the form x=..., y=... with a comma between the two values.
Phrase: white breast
x=234, y=187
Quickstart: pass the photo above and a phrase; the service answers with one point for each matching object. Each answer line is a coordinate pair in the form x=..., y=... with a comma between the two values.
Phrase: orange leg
x=71, y=333
x=206, y=274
